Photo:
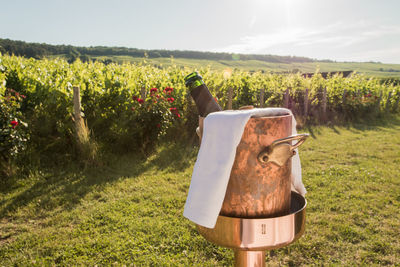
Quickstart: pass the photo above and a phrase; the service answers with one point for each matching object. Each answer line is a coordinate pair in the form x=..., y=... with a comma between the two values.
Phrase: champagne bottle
x=205, y=102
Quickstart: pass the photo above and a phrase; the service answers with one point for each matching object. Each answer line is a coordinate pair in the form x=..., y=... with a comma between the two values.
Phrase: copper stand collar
x=249, y=258
x=257, y=235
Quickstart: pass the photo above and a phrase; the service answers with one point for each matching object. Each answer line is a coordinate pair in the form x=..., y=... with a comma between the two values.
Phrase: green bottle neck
x=195, y=84
x=193, y=80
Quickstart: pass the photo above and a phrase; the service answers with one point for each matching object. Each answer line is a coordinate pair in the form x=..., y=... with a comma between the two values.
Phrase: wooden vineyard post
x=378, y=103
x=324, y=104
x=388, y=102
x=396, y=105
x=286, y=98
x=344, y=97
x=79, y=124
x=306, y=103
x=262, y=91
x=87, y=148
x=143, y=93
x=230, y=95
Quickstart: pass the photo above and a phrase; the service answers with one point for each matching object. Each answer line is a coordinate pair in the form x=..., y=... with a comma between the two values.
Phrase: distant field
x=370, y=69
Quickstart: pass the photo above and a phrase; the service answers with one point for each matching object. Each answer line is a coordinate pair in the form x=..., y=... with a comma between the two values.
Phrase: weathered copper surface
x=259, y=234
x=259, y=211
x=257, y=190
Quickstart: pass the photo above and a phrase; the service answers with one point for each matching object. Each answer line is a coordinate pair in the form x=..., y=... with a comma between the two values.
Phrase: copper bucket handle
x=281, y=149
x=300, y=137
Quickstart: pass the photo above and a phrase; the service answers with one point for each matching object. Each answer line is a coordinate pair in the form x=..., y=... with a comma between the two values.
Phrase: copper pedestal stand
x=260, y=212
x=250, y=238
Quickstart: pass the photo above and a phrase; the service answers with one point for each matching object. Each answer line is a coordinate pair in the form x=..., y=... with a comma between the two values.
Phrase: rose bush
x=13, y=129
x=153, y=116
x=129, y=121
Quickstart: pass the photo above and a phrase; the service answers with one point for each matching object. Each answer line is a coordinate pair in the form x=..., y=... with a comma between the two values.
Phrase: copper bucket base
x=251, y=237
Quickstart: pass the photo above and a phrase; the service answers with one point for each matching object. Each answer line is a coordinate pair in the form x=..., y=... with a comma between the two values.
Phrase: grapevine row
x=120, y=108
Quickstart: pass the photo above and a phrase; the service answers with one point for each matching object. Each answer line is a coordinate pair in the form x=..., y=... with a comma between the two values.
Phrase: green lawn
x=129, y=211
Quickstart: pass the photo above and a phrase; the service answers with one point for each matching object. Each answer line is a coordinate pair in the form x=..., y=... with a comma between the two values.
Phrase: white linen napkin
x=222, y=132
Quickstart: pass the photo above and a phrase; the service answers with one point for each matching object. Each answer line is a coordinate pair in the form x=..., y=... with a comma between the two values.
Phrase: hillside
x=195, y=59
x=367, y=68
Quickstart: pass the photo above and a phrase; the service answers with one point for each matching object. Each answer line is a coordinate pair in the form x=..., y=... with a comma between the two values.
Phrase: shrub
x=13, y=134
x=153, y=116
x=130, y=122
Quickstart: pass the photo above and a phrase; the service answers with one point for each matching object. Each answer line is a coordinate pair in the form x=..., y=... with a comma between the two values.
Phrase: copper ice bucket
x=260, y=182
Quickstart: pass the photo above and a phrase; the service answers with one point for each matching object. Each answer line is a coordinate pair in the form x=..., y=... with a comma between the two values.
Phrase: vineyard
x=132, y=106
x=96, y=160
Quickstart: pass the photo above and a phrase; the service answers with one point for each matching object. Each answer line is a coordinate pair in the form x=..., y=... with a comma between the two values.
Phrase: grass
x=130, y=210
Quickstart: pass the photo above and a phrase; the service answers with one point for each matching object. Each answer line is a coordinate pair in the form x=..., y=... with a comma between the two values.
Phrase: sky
x=341, y=30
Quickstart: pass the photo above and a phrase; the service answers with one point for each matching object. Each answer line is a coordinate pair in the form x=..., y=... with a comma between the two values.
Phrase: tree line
x=40, y=50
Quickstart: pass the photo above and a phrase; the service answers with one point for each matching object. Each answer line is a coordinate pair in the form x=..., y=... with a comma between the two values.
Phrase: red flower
x=216, y=99
x=14, y=123
x=369, y=95
x=170, y=99
x=158, y=125
x=158, y=96
x=23, y=96
x=153, y=91
x=134, y=97
x=175, y=112
x=141, y=101
x=168, y=90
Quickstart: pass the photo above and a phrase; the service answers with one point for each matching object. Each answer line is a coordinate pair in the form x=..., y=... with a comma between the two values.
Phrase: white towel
x=222, y=132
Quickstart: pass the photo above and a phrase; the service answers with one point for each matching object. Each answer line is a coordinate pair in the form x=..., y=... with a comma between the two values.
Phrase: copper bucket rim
x=261, y=117
x=292, y=212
